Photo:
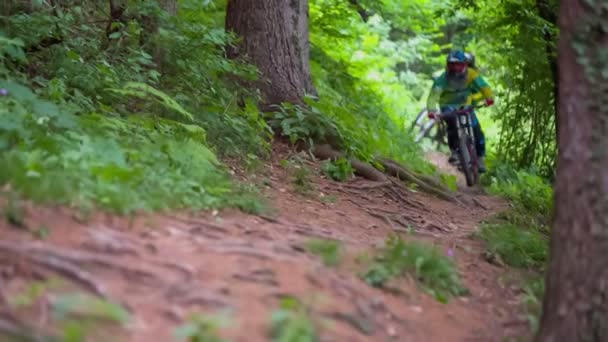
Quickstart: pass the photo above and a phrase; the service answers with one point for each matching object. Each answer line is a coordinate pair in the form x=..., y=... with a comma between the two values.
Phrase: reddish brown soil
x=164, y=267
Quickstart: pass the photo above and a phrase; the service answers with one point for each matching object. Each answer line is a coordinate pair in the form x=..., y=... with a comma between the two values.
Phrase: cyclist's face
x=457, y=67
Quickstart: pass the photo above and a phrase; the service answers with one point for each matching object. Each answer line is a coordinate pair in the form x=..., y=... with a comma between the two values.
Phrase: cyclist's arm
x=433, y=100
x=483, y=87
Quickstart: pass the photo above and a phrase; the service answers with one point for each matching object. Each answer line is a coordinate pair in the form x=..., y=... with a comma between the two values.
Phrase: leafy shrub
x=120, y=163
x=301, y=123
x=339, y=169
x=436, y=272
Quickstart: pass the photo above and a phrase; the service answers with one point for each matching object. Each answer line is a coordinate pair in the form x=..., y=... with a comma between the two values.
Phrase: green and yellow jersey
x=471, y=90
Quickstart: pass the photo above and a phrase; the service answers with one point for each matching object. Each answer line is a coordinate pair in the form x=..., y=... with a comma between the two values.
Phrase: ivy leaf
x=115, y=35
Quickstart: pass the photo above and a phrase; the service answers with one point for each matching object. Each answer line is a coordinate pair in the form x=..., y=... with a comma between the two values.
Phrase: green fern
x=145, y=91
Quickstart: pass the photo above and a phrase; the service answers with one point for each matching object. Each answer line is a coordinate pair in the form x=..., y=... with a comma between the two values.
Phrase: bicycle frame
x=464, y=124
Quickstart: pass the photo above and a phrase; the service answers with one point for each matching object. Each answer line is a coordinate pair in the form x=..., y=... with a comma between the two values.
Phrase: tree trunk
x=576, y=300
x=274, y=38
x=170, y=6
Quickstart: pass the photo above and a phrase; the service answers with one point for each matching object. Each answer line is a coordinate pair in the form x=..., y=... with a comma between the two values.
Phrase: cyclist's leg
x=452, y=131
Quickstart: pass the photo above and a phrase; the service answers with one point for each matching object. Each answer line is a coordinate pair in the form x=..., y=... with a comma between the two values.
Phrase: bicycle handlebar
x=462, y=111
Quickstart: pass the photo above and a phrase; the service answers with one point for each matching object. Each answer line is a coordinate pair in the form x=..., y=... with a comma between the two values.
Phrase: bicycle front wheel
x=465, y=160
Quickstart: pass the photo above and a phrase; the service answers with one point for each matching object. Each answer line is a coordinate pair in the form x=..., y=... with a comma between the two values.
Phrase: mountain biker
x=453, y=89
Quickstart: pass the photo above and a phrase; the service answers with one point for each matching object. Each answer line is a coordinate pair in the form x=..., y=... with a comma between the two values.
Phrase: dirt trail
x=163, y=267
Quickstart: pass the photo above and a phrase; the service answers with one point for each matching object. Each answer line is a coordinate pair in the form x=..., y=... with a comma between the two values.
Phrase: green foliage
x=292, y=322
x=87, y=306
x=13, y=212
x=516, y=44
x=301, y=180
x=517, y=246
x=339, y=169
x=82, y=315
x=78, y=316
x=524, y=188
x=301, y=123
x=530, y=194
x=329, y=250
x=121, y=163
x=144, y=91
x=366, y=76
x=435, y=272
x=300, y=174
x=534, y=291
x=201, y=328
x=34, y=291
x=91, y=127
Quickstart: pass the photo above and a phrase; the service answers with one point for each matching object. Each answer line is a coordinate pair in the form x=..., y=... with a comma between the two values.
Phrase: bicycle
x=467, y=153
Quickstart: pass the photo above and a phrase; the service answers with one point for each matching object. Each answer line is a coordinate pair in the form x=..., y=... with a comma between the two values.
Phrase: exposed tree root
x=65, y=260
x=71, y=271
x=16, y=331
x=370, y=186
x=365, y=325
x=246, y=251
x=392, y=168
x=427, y=185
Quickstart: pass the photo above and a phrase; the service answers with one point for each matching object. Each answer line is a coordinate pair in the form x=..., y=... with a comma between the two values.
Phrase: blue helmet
x=456, y=63
x=456, y=57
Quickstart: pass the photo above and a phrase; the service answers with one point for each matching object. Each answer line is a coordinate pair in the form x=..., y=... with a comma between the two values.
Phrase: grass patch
x=517, y=247
x=292, y=322
x=534, y=291
x=330, y=251
x=530, y=194
x=202, y=328
x=434, y=271
x=300, y=174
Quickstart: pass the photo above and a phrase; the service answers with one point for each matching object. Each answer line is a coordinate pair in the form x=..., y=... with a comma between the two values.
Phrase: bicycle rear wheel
x=424, y=131
x=418, y=120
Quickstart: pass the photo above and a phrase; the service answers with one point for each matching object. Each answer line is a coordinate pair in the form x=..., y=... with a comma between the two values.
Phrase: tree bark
x=575, y=307
x=274, y=37
x=170, y=6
